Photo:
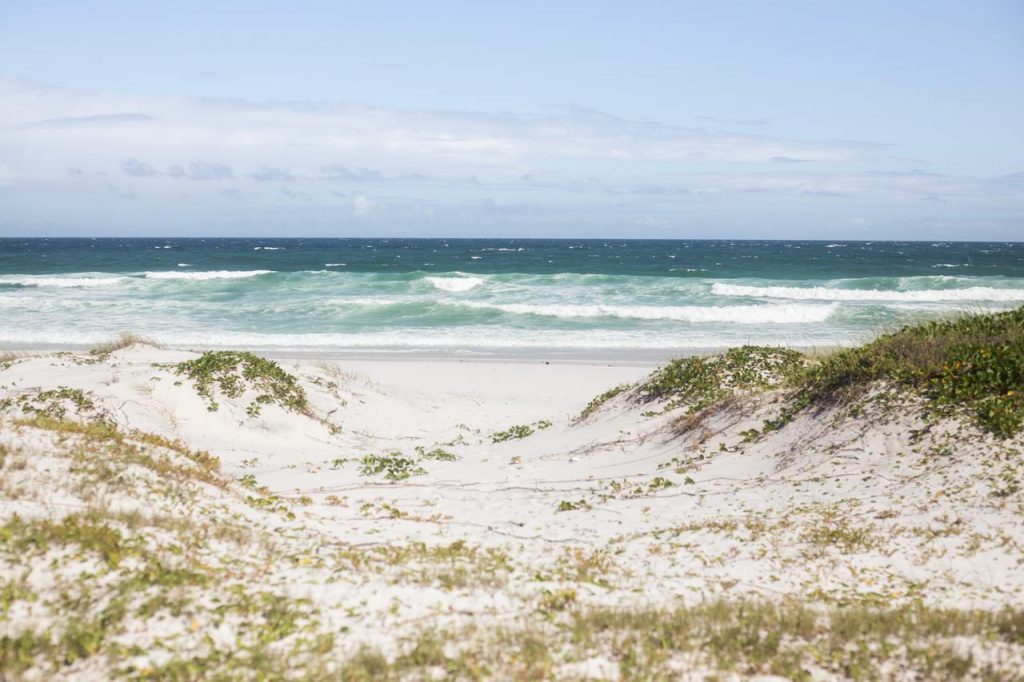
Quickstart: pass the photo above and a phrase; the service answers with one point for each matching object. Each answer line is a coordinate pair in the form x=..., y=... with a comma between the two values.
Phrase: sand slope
x=630, y=507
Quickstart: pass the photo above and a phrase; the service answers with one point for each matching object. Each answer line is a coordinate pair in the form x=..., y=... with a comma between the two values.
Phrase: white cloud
x=361, y=206
x=176, y=157
x=139, y=169
x=88, y=128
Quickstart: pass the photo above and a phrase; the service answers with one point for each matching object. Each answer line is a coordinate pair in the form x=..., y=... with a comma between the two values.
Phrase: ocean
x=481, y=297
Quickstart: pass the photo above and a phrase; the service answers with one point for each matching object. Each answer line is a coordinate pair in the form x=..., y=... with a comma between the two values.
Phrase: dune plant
x=120, y=342
x=699, y=382
x=973, y=363
x=234, y=372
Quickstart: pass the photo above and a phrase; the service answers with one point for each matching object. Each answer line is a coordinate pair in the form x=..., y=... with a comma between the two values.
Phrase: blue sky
x=639, y=119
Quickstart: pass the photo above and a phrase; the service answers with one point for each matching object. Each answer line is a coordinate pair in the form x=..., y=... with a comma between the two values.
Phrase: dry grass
x=123, y=341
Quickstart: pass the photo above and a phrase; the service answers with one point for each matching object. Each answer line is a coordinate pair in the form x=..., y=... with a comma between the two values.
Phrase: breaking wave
x=831, y=294
x=211, y=274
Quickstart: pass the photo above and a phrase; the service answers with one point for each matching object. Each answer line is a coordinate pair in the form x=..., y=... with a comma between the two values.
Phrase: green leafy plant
x=698, y=382
x=519, y=431
x=595, y=404
x=973, y=363
x=393, y=465
x=438, y=454
x=234, y=372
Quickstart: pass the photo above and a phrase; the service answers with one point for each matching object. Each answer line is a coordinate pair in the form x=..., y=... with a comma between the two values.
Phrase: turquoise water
x=486, y=296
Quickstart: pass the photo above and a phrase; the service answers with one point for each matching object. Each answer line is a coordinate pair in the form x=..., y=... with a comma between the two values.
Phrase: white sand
x=832, y=505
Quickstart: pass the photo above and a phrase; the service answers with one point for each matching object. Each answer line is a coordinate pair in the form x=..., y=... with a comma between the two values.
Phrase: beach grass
x=121, y=342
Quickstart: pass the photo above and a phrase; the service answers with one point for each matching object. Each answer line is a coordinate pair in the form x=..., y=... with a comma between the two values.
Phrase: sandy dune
x=631, y=507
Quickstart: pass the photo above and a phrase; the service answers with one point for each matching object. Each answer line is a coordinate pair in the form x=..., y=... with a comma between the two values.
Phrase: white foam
x=65, y=281
x=485, y=338
x=785, y=313
x=830, y=294
x=454, y=284
x=184, y=265
x=210, y=274
x=334, y=265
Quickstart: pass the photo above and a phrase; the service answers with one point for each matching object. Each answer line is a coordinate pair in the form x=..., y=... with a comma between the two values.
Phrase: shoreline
x=576, y=356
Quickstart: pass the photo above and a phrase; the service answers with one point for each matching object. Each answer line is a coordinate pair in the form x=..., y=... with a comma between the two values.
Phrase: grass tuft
x=123, y=341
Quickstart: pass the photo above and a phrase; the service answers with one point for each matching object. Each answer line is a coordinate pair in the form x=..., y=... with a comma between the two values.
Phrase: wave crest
x=791, y=313
x=60, y=281
x=454, y=284
x=831, y=294
x=210, y=274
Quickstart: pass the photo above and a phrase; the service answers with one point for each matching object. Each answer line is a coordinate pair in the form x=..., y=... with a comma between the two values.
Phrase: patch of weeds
x=595, y=404
x=18, y=652
x=436, y=454
x=698, y=382
x=235, y=372
x=56, y=404
x=973, y=364
x=659, y=483
x=750, y=435
x=557, y=600
x=135, y=447
x=835, y=531
x=9, y=359
x=123, y=341
x=519, y=431
x=578, y=565
x=88, y=531
x=271, y=503
x=680, y=465
x=12, y=591
x=394, y=466
x=567, y=505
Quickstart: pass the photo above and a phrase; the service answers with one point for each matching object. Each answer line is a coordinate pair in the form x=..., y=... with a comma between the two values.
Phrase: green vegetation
x=438, y=454
x=394, y=466
x=567, y=505
x=9, y=359
x=600, y=400
x=88, y=531
x=122, y=341
x=55, y=403
x=234, y=372
x=519, y=431
x=103, y=448
x=699, y=382
x=116, y=572
x=973, y=364
x=860, y=641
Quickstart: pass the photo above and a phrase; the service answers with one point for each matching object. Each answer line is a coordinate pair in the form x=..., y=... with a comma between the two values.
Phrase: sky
x=784, y=119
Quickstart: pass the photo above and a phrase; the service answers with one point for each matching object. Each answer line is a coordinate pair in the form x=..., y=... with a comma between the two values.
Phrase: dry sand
x=625, y=508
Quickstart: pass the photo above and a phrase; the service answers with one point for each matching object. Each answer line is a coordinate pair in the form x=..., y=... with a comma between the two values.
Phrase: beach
x=515, y=459
x=364, y=518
